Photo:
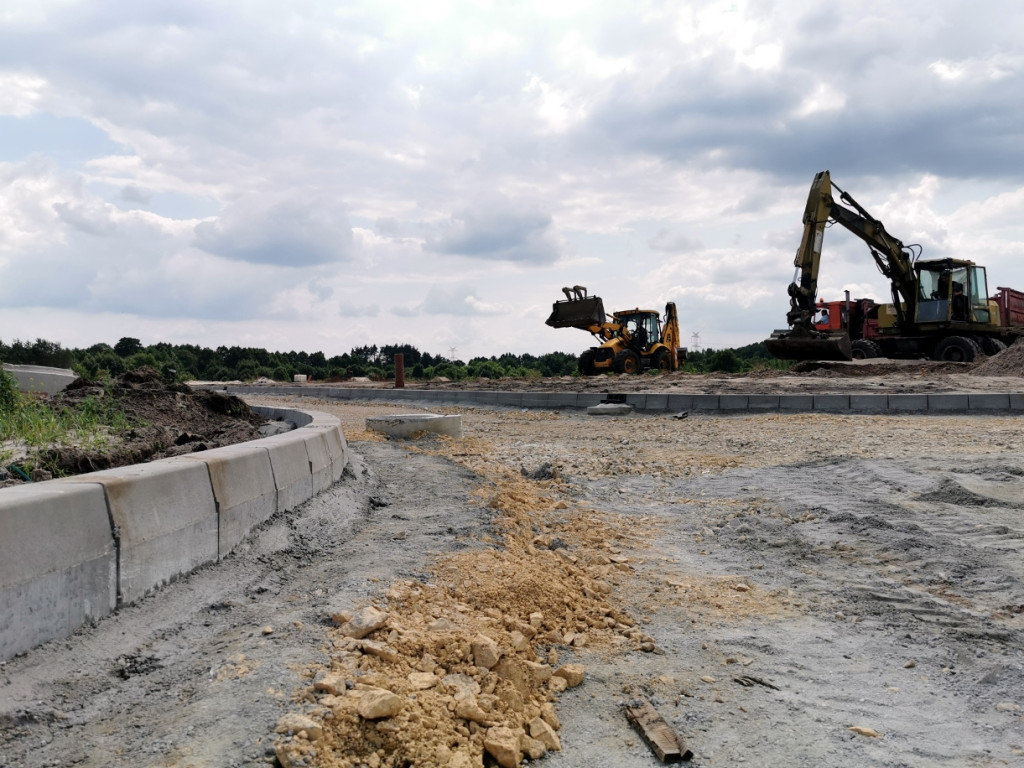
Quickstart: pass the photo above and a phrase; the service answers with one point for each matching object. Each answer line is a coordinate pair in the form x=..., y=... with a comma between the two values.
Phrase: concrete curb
x=946, y=403
x=73, y=550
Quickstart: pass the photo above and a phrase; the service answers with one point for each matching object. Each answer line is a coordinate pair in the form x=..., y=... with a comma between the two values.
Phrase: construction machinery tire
x=626, y=361
x=992, y=346
x=586, y=363
x=957, y=349
x=661, y=361
x=865, y=349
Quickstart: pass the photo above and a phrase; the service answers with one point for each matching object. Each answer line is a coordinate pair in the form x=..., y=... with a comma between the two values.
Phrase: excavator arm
x=893, y=258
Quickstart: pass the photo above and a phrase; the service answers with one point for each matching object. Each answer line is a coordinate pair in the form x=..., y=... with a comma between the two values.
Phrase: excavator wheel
x=626, y=361
x=865, y=349
x=662, y=361
x=992, y=346
x=957, y=349
x=586, y=363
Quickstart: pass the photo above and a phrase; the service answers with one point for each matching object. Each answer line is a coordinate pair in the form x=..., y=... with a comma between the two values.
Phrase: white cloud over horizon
x=315, y=176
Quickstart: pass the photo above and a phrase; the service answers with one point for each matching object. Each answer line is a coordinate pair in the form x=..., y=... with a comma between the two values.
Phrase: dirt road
x=775, y=581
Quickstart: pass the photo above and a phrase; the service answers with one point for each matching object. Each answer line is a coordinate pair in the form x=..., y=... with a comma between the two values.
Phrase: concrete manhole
x=408, y=424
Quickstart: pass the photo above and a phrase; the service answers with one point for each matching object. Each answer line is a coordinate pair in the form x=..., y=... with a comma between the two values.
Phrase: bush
x=10, y=395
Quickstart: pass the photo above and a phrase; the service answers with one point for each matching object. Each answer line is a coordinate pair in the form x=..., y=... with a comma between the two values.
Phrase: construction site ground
x=805, y=590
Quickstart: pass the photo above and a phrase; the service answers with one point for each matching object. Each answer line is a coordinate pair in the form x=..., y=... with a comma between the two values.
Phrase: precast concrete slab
x=408, y=424
x=293, y=476
x=948, y=402
x=733, y=402
x=677, y=403
x=587, y=399
x=1016, y=402
x=831, y=402
x=243, y=488
x=41, y=379
x=58, y=562
x=166, y=520
x=763, y=402
x=796, y=403
x=512, y=399
x=906, y=402
x=869, y=403
x=705, y=402
x=657, y=402
x=988, y=402
x=610, y=409
x=638, y=400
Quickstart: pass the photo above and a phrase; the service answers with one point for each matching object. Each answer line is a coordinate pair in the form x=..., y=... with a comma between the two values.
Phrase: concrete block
x=562, y=399
x=988, y=402
x=408, y=424
x=763, y=402
x=610, y=409
x=243, y=488
x=948, y=402
x=677, y=403
x=657, y=402
x=587, y=399
x=512, y=399
x=705, y=402
x=733, y=402
x=58, y=563
x=797, y=403
x=290, y=462
x=871, y=403
x=638, y=400
x=908, y=402
x=166, y=517
x=831, y=402
x=1016, y=402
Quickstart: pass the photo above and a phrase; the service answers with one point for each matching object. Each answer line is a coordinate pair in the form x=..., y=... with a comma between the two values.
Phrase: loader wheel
x=662, y=361
x=587, y=363
x=865, y=349
x=626, y=361
x=957, y=349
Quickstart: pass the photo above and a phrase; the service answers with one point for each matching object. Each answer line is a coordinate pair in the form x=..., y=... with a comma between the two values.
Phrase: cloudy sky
x=322, y=175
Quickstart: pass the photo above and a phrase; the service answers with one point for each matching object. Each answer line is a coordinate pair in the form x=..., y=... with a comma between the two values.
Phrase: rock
x=427, y=663
x=573, y=674
x=865, y=731
x=545, y=734
x=441, y=625
x=519, y=641
x=536, y=619
x=422, y=681
x=377, y=703
x=557, y=684
x=547, y=713
x=295, y=722
x=502, y=744
x=532, y=748
x=365, y=621
x=469, y=709
x=332, y=682
x=289, y=754
x=341, y=617
x=485, y=652
x=539, y=673
x=380, y=650
x=1007, y=706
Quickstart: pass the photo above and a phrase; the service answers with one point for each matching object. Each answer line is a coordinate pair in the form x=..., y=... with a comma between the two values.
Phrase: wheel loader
x=632, y=341
x=940, y=308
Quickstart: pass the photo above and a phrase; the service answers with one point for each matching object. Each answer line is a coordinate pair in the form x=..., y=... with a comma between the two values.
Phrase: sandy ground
x=774, y=581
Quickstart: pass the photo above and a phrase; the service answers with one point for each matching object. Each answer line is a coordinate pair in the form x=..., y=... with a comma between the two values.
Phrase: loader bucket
x=577, y=313
x=800, y=344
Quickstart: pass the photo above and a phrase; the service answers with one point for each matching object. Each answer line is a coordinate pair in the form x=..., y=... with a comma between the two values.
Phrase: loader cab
x=951, y=291
x=643, y=327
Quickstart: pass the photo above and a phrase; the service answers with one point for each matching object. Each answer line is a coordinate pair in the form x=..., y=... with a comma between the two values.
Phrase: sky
x=325, y=175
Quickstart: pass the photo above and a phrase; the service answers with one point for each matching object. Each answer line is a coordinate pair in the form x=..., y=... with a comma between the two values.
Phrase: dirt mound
x=156, y=420
x=1009, y=362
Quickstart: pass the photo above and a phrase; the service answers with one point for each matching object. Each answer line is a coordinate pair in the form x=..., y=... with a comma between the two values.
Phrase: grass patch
x=26, y=421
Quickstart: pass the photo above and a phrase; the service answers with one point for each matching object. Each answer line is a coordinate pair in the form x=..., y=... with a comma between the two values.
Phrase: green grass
x=28, y=420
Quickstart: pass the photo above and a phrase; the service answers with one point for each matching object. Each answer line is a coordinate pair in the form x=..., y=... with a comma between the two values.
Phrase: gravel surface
x=776, y=581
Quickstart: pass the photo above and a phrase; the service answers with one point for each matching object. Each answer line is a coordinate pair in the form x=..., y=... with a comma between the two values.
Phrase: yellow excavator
x=632, y=341
x=940, y=308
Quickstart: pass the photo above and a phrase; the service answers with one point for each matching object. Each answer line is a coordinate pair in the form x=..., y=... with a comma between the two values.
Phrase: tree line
x=184, y=362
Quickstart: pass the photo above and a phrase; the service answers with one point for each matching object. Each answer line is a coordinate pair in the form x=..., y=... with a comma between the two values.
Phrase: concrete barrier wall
x=40, y=378
x=55, y=543
x=662, y=402
x=73, y=549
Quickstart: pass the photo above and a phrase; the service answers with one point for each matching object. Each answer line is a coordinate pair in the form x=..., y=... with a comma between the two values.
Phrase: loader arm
x=893, y=258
